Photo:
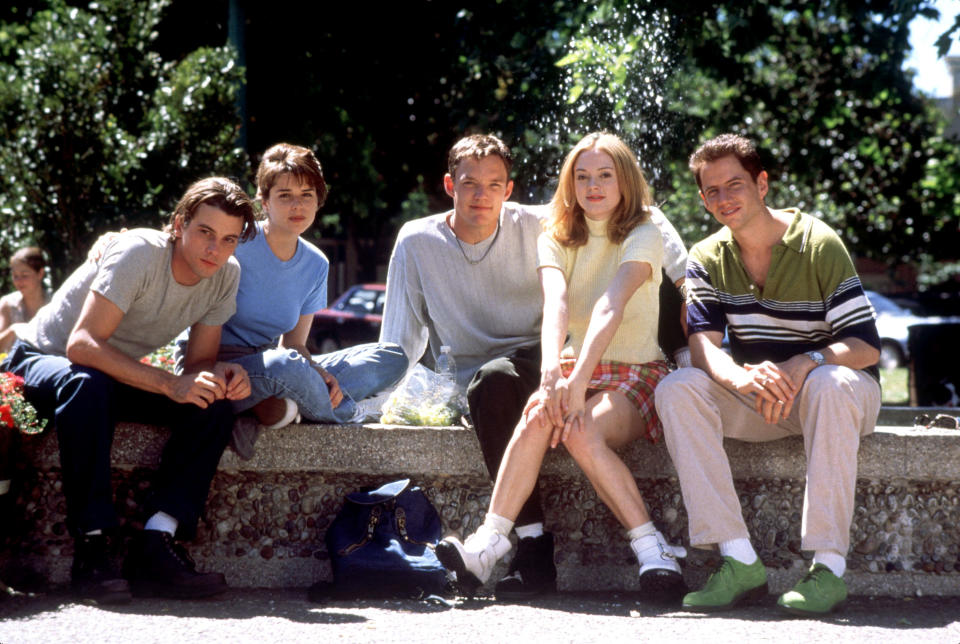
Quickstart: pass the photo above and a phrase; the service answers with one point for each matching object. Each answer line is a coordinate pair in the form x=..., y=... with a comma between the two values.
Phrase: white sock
x=739, y=549
x=833, y=560
x=682, y=357
x=498, y=523
x=92, y=533
x=4, y=487
x=641, y=531
x=163, y=522
x=529, y=531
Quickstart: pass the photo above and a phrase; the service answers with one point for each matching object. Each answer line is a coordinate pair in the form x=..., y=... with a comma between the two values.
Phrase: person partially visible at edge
x=804, y=348
x=282, y=284
x=600, y=270
x=80, y=361
x=467, y=278
x=27, y=269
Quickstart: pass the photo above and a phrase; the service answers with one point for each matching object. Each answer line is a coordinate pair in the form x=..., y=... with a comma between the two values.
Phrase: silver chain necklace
x=474, y=262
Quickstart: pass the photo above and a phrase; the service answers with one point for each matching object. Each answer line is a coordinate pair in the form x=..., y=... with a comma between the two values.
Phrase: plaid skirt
x=635, y=381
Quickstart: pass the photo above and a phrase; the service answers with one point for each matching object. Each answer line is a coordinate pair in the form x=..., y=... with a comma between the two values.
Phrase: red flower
x=6, y=416
x=15, y=411
x=10, y=382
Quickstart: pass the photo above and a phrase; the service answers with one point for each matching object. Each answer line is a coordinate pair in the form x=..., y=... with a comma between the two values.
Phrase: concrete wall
x=266, y=517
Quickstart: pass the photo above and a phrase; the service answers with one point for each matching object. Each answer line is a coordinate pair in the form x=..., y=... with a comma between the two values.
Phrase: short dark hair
x=478, y=146
x=31, y=256
x=218, y=192
x=285, y=158
x=723, y=146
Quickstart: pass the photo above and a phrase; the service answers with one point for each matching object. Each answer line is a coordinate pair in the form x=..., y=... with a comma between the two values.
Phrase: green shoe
x=727, y=585
x=818, y=593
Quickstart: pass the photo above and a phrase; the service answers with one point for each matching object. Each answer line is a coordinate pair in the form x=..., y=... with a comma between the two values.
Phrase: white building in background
x=950, y=105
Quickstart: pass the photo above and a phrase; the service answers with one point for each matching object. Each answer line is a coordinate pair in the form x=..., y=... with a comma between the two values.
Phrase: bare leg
x=520, y=466
x=611, y=422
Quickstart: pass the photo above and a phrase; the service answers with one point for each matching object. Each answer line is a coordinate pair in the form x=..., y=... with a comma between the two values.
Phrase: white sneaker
x=661, y=581
x=290, y=415
x=653, y=552
x=473, y=560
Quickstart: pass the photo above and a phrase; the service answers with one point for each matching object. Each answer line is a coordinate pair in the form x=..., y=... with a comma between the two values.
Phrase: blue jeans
x=363, y=370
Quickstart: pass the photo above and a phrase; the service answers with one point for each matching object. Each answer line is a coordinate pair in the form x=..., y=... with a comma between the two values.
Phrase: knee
x=393, y=360
x=830, y=380
x=82, y=384
x=583, y=445
x=84, y=404
x=215, y=419
x=676, y=387
x=536, y=430
x=589, y=450
x=491, y=380
x=278, y=361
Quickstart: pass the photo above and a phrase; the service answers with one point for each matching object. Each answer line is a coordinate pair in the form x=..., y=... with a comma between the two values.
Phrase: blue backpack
x=381, y=544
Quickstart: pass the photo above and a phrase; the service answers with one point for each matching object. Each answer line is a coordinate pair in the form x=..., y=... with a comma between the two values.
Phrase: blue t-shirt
x=273, y=294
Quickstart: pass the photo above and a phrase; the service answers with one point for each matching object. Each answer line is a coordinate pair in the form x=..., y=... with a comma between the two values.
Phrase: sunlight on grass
x=893, y=383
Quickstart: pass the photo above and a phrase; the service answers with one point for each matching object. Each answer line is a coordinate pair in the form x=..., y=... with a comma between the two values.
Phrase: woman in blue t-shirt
x=282, y=283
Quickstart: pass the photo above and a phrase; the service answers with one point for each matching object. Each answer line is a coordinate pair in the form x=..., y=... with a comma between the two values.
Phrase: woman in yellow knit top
x=600, y=268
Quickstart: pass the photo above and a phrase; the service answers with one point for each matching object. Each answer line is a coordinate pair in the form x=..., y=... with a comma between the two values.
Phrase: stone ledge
x=266, y=517
x=890, y=452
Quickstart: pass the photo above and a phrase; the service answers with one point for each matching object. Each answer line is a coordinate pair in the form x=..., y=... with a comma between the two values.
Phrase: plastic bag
x=424, y=398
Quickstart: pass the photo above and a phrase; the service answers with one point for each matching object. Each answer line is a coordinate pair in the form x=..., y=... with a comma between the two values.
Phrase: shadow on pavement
x=291, y=605
x=895, y=614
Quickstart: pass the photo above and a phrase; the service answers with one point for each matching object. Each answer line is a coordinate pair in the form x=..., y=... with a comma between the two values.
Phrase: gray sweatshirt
x=482, y=311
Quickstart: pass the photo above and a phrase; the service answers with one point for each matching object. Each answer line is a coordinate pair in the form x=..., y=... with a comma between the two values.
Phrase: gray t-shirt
x=135, y=273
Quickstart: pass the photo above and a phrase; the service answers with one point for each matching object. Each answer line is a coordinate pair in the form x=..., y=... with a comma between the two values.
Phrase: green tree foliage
x=819, y=85
x=99, y=125
x=97, y=131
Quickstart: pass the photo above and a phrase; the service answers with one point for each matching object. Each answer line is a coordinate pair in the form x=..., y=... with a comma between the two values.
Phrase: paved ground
x=268, y=616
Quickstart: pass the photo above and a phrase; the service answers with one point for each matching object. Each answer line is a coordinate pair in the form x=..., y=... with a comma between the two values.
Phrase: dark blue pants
x=497, y=395
x=85, y=405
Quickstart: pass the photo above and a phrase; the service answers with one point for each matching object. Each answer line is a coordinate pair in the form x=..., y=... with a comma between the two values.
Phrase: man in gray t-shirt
x=80, y=361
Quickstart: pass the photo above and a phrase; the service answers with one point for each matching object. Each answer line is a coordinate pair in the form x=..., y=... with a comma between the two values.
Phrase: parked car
x=893, y=325
x=353, y=318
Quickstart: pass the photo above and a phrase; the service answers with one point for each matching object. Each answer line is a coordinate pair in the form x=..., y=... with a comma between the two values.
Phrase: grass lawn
x=893, y=383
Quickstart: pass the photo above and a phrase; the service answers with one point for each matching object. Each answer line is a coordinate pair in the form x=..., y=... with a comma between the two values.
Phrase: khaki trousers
x=835, y=407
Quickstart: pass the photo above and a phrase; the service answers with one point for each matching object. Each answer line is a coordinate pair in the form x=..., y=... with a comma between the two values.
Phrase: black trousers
x=497, y=395
x=86, y=404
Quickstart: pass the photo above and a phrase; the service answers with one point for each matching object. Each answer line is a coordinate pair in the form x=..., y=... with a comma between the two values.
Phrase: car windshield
x=363, y=301
x=883, y=305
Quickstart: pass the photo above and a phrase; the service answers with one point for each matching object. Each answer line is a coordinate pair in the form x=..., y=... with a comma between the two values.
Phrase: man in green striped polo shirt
x=804, y=348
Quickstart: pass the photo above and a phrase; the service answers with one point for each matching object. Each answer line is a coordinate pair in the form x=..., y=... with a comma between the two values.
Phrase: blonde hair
x=567, y=222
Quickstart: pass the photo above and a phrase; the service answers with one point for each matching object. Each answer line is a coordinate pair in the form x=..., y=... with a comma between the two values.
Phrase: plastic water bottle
x=446, y=366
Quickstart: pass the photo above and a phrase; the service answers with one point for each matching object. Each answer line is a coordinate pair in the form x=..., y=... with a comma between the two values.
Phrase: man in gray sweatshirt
x=467, y=278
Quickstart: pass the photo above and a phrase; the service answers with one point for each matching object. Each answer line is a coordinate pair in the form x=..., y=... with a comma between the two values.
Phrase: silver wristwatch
x=816, y=356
